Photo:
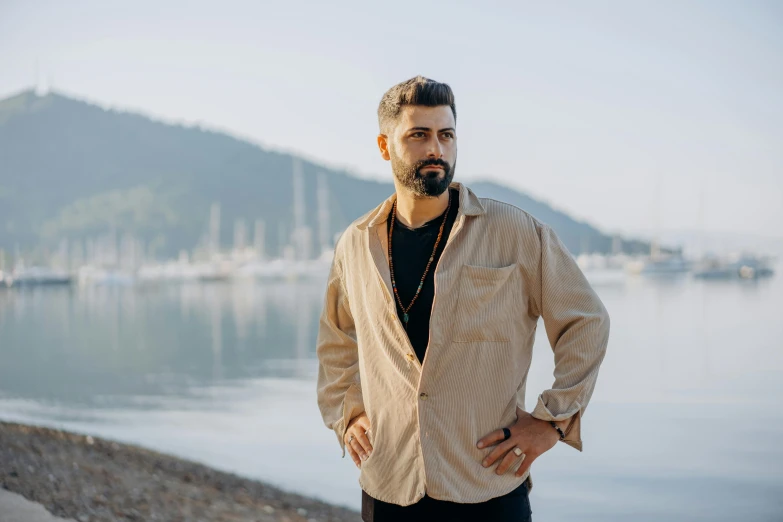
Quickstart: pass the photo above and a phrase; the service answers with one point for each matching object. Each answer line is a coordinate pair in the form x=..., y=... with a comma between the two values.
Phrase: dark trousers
x=512, y=507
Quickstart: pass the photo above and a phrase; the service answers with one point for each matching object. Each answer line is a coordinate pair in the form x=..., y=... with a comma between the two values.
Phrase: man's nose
x=434, y=149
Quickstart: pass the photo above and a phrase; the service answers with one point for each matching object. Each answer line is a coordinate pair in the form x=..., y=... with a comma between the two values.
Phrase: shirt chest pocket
x=487, y=302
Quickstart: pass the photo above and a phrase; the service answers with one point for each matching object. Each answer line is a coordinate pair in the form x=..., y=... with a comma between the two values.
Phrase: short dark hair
x=416, y=91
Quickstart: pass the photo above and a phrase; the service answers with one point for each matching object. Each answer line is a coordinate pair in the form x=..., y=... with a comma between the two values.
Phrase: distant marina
x=617, y=267
x=109, y=261
x=243, y=264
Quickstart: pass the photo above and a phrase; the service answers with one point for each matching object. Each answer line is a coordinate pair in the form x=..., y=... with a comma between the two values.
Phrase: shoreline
x=91, y=479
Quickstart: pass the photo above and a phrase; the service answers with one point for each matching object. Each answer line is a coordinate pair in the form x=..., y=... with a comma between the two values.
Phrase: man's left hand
x=533, y=436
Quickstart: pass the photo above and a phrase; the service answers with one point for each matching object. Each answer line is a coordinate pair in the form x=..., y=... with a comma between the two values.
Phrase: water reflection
x=683, y=423
x=106, y=346
x=109, y=346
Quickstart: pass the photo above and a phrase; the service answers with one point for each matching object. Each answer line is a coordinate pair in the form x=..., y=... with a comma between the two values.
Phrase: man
x=427, y=331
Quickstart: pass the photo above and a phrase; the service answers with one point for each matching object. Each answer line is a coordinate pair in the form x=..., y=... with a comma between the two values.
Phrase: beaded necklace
x=426, y=270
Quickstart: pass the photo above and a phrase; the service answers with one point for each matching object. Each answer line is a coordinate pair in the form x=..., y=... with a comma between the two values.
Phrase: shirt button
x=423, y=396
x=410, y=356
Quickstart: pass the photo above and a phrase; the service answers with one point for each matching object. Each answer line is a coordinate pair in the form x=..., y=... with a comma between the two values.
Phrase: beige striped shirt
x=501, y=270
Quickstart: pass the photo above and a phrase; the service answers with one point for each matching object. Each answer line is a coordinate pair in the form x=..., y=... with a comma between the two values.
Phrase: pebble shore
x=90, y=479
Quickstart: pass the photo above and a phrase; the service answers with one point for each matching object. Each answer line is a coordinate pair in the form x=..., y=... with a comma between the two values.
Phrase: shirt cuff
x=573, y=433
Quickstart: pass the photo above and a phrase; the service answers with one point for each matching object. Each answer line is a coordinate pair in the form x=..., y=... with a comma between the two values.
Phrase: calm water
x=685, y=423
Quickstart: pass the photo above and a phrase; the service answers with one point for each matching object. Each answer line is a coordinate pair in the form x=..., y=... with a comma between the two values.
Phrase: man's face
x=422, y=148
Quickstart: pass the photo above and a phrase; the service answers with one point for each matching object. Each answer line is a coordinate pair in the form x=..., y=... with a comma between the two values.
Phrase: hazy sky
x=595, y=107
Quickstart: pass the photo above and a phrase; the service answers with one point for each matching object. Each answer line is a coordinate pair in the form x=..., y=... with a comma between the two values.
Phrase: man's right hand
x=360, y=447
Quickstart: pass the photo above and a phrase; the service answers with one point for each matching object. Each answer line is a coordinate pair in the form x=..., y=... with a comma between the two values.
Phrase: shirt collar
x=469, y=205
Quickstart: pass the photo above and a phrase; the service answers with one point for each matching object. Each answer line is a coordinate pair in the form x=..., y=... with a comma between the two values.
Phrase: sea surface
x=686, y=422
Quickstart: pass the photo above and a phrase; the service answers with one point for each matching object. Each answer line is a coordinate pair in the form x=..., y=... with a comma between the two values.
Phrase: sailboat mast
x=324, y=225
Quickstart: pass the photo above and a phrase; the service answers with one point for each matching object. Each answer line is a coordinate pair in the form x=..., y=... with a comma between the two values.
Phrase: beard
x=428, y=184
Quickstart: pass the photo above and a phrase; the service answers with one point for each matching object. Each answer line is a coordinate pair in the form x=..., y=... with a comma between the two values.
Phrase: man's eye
x=448, y=135
x=418, y=134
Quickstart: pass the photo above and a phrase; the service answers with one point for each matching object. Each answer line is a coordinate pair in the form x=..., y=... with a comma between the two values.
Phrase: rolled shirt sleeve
x=339, y=387
x=577, y=326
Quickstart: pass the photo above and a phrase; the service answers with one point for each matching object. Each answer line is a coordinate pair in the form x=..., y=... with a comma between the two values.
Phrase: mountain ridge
x=75, y=169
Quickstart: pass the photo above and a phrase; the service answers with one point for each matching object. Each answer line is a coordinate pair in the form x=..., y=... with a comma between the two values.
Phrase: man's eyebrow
x=428, y=129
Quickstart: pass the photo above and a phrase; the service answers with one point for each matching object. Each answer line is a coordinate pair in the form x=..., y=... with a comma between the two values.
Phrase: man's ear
x=383, y=146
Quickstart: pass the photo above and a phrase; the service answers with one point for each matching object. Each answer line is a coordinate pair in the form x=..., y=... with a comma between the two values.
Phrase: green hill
x=72, y=169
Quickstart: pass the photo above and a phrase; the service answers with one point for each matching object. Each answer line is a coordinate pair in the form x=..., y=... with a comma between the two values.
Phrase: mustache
x=432, y=163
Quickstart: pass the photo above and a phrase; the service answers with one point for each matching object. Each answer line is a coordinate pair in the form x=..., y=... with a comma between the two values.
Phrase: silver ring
x=351, y=439
x=517, y=452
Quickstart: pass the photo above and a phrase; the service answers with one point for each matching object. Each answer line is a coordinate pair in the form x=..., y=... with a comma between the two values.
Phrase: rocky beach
x=89, y=479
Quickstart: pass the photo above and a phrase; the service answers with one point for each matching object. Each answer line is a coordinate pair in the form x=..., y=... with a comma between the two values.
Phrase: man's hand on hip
x=356, y=441
x=532, y=436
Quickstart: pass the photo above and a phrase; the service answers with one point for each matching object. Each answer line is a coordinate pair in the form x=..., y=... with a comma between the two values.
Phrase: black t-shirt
x=411, y=250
